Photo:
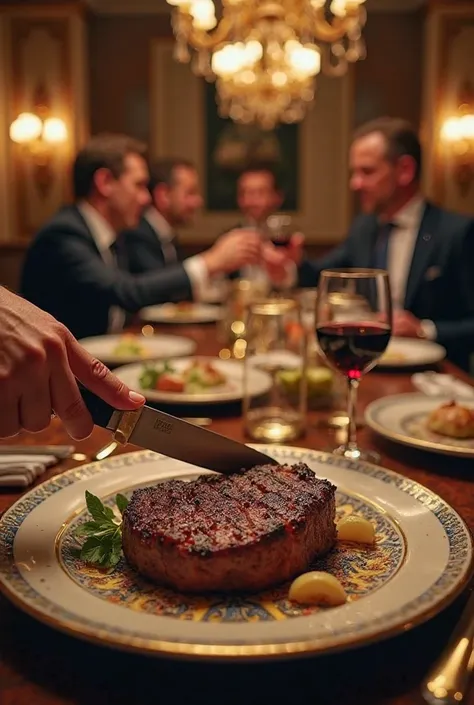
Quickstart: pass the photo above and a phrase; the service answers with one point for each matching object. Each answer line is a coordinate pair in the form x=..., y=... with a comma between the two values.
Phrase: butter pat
x=317, y=588
x=356, y=529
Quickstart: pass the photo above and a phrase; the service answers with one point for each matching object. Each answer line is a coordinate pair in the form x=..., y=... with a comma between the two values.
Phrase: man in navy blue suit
x=428, y=251
x=76, y=271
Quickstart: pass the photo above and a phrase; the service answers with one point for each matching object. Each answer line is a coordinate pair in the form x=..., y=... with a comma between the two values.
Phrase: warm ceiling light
x=265, y=56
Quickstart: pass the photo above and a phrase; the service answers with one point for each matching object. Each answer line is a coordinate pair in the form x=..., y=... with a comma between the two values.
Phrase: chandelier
x=264, y=56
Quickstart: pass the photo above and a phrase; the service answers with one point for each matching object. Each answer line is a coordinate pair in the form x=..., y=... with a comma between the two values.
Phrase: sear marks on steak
x=244, y=532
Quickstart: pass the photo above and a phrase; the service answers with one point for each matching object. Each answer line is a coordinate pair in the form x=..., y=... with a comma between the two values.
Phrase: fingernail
x=135, y=397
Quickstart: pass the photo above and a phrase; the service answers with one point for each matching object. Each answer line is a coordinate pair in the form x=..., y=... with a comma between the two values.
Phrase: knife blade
x=171, y=436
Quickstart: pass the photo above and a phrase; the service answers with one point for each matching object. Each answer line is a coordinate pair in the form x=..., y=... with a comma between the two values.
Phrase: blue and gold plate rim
x=456, y=574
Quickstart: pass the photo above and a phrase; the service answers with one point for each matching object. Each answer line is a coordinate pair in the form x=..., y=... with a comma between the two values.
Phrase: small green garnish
x=151, y=374
x=103, y=545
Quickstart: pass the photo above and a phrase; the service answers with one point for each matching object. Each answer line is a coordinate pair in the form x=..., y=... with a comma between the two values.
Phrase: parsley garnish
x=103, y=546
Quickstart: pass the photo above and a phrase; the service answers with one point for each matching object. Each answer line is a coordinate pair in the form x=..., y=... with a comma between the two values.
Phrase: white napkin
x=22, y=470
x=434, y=384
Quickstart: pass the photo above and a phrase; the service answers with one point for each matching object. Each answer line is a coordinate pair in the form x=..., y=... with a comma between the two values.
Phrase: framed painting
x=231, y=147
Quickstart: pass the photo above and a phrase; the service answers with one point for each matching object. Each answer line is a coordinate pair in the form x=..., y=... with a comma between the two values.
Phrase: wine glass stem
x=351, y=412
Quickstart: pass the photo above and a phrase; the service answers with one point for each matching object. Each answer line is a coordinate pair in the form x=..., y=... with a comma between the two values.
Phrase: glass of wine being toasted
x=354, y=335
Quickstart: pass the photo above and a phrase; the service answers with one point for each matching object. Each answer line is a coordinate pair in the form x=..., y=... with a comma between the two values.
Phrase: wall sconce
x=457, y=133
x=39, y=138
x=29, y=129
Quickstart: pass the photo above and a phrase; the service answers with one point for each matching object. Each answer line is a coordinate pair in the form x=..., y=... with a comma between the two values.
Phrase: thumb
x=297, y=239
x=273, y=255
x=295, y=247
x=99, y=379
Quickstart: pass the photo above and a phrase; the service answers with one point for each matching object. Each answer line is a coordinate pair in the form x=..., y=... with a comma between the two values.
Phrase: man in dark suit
x=73, y=269
x=258, y=195
x=153, y=245
x=428, y=251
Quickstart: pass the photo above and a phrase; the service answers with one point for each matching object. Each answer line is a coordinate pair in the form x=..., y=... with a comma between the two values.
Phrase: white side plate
x=408, y=352
x=402, y=418
x=155, y=347
x=259, y=382
x=170, y=313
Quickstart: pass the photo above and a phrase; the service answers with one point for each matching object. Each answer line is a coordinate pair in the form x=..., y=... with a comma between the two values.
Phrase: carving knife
x=171, y=436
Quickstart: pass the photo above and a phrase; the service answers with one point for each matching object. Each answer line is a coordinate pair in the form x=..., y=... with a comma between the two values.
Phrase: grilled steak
x=247, y=531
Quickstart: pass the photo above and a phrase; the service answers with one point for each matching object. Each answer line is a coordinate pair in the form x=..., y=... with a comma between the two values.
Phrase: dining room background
x=107, y=65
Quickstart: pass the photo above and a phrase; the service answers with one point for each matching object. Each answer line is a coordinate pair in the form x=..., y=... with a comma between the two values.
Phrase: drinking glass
x=279, y=230
x=353, y=339
x=276, y=345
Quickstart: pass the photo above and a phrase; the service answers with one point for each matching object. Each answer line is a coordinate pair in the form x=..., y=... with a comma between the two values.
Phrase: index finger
x=99, y=379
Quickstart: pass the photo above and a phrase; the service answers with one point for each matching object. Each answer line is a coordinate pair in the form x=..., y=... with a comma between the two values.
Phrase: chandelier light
x=264, y=56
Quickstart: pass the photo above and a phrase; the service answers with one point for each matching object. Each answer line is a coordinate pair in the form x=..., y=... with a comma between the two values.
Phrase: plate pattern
x=360, y=569
x=456, y=573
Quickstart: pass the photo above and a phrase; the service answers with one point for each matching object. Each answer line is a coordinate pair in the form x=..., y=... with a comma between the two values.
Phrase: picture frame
x=232, y=147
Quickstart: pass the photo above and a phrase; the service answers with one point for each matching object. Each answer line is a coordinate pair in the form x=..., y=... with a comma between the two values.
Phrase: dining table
x=41, y=666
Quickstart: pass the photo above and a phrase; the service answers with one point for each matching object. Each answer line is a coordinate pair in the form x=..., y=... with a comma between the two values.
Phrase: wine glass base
x=369, y=456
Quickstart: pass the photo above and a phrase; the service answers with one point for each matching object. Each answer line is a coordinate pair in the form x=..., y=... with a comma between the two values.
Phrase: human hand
x=280, y=262
x=406, y=325
x=234, y=250
x=39, y=363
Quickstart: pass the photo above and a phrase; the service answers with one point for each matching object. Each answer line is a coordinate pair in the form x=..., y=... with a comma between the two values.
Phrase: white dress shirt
x=202, y=284
x=401, y=246
x=104, y=236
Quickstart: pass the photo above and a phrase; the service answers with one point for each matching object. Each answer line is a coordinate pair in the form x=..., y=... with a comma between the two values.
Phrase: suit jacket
x=64, y=274
x=440, y=284
x=144, y=253
x=144, y=248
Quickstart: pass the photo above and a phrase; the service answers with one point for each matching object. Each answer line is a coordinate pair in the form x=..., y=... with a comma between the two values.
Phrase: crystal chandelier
x=264, y=56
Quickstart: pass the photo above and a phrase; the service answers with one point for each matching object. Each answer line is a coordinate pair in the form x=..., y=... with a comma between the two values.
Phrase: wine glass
x=352, y=338
x=278, y=227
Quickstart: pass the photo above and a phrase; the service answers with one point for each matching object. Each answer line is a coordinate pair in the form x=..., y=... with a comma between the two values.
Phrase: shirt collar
x=159, y=223
x=102, y=232
x=409, y=216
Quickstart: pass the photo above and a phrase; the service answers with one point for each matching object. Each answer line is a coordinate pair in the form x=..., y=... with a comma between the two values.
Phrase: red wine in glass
x=281, y=239
x=353, y=348
x=279, y=229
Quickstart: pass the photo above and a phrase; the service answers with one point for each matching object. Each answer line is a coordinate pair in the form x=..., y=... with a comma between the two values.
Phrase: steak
x=244, y=532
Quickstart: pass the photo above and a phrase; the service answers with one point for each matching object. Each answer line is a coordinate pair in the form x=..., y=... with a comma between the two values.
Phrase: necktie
x=380, y=254
x=116, y=314
x=168, y=247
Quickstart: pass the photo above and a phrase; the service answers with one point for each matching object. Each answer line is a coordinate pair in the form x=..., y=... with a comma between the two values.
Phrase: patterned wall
x=448, y=83
x=42, y=70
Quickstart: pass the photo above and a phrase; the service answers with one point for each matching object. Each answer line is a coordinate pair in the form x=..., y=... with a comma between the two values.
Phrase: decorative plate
x=390, y=587
x=402, y=418
x=407, y=352
x=233, y=389
x=153, y=347
x=174, y=313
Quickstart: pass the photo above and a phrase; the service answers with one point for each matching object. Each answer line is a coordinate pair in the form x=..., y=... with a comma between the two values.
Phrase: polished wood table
x=39, y=666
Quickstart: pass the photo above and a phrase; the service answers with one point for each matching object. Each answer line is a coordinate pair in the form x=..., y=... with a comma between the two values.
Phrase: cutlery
x=109, y=448
x=198, y=420
x=448, y=681
x=60, y=452
x=174, y=437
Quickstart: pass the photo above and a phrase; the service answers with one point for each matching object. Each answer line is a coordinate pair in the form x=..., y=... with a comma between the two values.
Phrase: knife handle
x=100, y=411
